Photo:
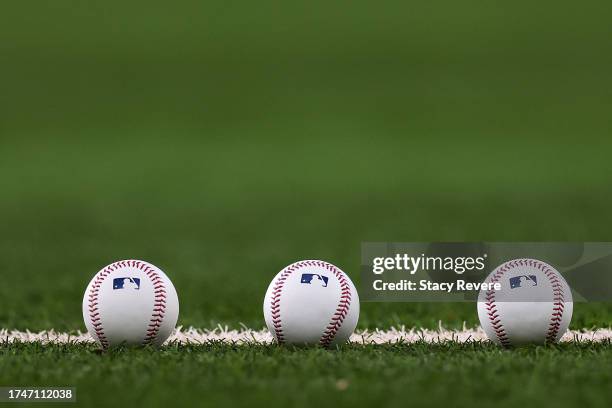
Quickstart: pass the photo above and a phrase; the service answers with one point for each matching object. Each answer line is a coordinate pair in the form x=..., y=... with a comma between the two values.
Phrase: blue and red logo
x=126, y=283
x=310, y=278
x=522, y=281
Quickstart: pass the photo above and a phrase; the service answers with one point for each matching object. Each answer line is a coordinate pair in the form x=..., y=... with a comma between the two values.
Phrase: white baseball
x=130, y=302
x=311, y=302
x=534, y=304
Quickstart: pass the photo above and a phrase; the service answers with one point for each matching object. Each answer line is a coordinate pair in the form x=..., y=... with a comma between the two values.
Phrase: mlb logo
x=126, y=283
x=522, y=281
x=308, y=278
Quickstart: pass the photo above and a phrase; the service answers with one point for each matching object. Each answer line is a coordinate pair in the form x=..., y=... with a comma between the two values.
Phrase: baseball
x=533, y=304
x=311, y=302
x=130, y=302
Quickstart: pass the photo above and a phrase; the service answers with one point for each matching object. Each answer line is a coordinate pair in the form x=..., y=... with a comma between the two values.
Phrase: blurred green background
x=223, y=140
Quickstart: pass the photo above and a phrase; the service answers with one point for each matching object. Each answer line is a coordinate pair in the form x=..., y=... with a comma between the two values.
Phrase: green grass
x=421, y=374
x=222, y=141
x=222, y=221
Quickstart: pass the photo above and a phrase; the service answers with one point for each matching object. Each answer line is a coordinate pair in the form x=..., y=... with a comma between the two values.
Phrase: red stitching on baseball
x=493, y=313
x=275, y=303
x=339, y=315
x=558, y=306
x=558, y=299
x=342, y=309
x=94, y=313
x=159, y=307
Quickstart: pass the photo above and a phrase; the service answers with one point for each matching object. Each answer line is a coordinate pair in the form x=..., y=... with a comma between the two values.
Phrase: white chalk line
x=247, y=336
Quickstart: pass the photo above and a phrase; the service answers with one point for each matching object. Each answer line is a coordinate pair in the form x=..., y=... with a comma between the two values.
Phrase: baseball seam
x=159, y=303
x=558, y=303
x=341, y=310
x=491, y=307
x=93, y=304
x=339, y=315
x=558, y=300
x=275, y=302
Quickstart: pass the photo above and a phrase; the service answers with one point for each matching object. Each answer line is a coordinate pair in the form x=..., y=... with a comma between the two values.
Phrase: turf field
x=420, y=374
x=222, y=141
